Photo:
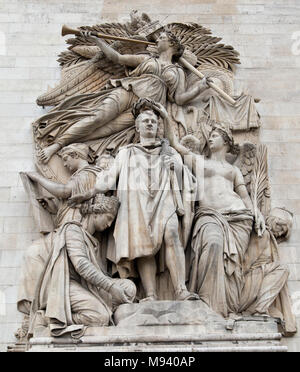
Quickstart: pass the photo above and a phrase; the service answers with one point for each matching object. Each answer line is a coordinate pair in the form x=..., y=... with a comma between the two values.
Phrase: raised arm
x=182, y=96
x=190, y=159
x=169, y=131
x=106, y=181
x=57, y=189
x=123, y=59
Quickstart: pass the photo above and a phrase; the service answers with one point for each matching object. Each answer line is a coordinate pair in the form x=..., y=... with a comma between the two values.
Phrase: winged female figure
x=157, y=78
x=223, y=221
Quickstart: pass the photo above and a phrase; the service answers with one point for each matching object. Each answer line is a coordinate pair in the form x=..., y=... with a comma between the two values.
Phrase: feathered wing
x=245, y=162
x=260, y=186
x=253, y=163
x=85, y=77
x=204, y=46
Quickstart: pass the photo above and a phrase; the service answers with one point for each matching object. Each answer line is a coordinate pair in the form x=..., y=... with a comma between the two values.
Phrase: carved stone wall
x=261, y=30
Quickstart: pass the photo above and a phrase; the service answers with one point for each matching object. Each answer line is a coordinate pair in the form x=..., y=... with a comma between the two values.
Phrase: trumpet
x=66, y=30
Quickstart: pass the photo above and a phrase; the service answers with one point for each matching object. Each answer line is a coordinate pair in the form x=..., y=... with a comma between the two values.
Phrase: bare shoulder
x=238, y=170
x=238, y=174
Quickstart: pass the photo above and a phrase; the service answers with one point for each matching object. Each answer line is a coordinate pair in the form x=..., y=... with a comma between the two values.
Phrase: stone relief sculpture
x=74, y=292
x=150, y=200
x=72, y=233
x=223, y=223
x=265, y=288
x=152, y=186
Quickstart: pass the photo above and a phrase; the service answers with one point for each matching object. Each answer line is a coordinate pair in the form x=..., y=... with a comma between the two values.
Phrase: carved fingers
x=46, y=154
x=88, y=34
x=260, y=224
x=76, y=199
x=118, y=294
x=168, y=161
x=161, y=109
x=206, y=82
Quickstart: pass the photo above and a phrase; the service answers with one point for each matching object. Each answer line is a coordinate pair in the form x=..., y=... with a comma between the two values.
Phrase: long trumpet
x=71, y=31
x=66, y=30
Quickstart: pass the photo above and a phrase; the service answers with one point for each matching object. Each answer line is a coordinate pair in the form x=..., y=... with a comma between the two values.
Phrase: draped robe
x=150, y=193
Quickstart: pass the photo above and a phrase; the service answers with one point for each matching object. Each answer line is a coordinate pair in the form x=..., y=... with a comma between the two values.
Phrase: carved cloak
x=149, y=193
x=37, y=254
x=216, y=275
x=52, y=294
x=264, y=253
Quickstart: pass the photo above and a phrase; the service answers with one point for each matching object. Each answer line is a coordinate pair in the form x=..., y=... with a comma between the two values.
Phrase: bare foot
x=257, y=314
x=185, y=295
x=46, y=154
x=235, y=316
x=230, y=324
x=151, y=297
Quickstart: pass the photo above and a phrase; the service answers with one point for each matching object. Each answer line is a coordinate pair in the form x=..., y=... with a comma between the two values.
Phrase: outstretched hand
x=76, y=199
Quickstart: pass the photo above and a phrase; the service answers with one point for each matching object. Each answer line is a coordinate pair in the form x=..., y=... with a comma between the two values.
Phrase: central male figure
x=147, y=175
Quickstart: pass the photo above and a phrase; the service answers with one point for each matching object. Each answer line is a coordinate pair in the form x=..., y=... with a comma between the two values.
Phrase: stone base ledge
x=246, y=336
x=168, y=326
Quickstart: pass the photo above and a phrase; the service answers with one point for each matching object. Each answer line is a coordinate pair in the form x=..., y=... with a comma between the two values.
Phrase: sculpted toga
x=150, y=202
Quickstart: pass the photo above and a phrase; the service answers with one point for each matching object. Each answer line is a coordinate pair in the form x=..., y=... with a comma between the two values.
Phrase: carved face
x=279, y=227
x=164, y=43
x=102, y=221
x=70, y=162
x=216, y=141
x=280, y=222
x=104, y=162
x=147, y=124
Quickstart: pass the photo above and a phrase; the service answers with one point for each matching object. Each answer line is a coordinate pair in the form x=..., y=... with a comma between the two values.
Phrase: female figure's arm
x=106, y=181
x=182, y=96
x=188, y=156
x=57, y=189
x=114, y=56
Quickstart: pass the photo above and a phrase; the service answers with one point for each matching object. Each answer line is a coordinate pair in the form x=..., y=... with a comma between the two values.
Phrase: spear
x=70, y=31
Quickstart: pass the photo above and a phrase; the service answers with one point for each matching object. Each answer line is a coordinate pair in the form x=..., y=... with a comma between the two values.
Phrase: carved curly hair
x=144, y=104
x=227, y=137
x=101, y=204
x=178, y=47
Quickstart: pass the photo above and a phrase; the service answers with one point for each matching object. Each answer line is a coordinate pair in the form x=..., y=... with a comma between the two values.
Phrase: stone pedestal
x=165, y=326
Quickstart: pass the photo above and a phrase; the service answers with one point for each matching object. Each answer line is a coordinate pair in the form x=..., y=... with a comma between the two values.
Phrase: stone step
x=161, y=348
